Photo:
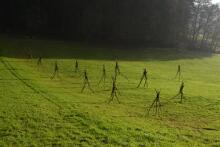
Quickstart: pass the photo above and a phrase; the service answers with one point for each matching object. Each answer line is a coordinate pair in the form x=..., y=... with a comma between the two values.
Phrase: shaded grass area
x=21, y=48
x=35, y=110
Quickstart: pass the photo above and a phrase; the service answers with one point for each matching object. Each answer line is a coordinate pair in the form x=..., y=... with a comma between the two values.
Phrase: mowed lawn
x=38, y=111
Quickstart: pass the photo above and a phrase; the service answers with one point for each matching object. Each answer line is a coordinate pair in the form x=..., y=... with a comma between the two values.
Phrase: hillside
x=38, y=111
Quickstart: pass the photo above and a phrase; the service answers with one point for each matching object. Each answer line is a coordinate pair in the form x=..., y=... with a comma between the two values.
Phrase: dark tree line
x=159, y=23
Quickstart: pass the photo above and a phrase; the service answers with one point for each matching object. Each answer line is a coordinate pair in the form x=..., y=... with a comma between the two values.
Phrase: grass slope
x=37, y=111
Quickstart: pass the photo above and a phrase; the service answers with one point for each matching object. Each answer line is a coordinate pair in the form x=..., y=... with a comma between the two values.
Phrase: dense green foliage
x=158, y=23
x=155, y=23
x=35, y=110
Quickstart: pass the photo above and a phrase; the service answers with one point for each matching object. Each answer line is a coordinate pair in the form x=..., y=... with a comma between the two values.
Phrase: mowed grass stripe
x=10, y=68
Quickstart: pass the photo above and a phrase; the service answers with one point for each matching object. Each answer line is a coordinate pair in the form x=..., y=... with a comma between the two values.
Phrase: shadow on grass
x=22, y=48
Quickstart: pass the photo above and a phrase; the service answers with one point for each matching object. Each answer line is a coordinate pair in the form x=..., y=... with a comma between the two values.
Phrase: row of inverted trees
x=148, y=22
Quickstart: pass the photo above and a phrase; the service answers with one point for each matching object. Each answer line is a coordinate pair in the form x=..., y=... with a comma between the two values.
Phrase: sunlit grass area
x=38, y=111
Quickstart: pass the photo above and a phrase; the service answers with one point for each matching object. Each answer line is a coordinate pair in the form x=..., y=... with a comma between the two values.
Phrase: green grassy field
x=38, y=111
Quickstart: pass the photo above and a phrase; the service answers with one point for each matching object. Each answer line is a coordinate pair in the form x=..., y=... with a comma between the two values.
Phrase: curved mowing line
x=10, y=68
